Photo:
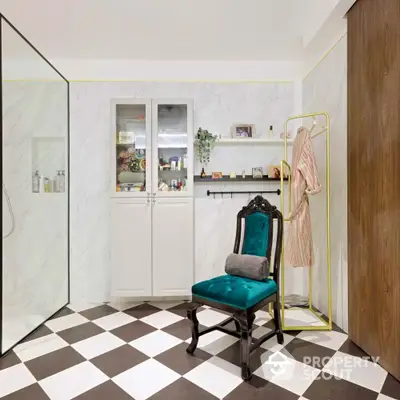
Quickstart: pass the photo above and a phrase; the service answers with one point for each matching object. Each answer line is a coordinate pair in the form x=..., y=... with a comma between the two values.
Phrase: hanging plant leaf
x=204, y=144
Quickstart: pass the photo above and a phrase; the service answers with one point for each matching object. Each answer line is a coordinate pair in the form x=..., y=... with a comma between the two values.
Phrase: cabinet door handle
x=148, y=201
x=154, y=193
x=148, y=194
x=154, y=200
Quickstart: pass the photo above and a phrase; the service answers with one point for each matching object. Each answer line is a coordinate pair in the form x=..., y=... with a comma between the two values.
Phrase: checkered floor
x=139, y=353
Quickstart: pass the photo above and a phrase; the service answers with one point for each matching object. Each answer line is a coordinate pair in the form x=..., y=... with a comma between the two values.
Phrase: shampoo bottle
x=41, y=184
x=35, y=182
x=57, y=182
x=62, y=181
x=47, y=185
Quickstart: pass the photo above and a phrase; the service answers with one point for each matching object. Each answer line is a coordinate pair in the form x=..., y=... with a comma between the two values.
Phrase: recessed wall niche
x=48, y=161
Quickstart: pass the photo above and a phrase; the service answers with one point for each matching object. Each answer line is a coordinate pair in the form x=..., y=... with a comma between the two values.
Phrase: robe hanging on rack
x=305, y=181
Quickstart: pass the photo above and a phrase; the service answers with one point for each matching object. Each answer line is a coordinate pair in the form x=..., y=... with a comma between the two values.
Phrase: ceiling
x=167, y=29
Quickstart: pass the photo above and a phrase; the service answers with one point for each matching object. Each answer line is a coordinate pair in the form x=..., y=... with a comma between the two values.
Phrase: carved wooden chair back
x=256, y=222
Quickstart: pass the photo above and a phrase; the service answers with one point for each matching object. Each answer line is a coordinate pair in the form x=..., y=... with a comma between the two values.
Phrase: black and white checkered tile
x=106, y=352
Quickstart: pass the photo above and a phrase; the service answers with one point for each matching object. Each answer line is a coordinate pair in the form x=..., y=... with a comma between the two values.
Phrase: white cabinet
x=173, y=267
x=152, y=197
x=131, y=248
x=152, y=148
x=152, y=247
x=131, y=137
x=172, y=148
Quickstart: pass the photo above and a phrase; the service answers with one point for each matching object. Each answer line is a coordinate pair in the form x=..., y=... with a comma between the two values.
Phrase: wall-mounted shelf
x=224, y=141
x=47, y=193
x=226, y=178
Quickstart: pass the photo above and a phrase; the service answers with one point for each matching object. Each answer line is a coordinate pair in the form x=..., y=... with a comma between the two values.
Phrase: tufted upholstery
x=255, y=241
x=235, y=291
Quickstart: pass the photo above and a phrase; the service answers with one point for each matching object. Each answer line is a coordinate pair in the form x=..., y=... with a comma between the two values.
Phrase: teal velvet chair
x=242, y=297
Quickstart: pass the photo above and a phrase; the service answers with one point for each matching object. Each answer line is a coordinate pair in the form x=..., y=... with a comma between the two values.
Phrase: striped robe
x=299, y=245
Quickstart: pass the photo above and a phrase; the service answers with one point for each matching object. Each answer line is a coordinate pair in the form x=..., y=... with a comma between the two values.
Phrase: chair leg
x=246, y=324
x=194, y=325
x=277, y=321
x=237, y=326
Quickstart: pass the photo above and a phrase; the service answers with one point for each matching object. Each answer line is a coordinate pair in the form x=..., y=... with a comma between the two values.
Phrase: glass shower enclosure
x=34, y=279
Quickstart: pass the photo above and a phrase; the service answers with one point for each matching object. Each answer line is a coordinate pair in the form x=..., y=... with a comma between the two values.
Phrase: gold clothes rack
x=326, y=325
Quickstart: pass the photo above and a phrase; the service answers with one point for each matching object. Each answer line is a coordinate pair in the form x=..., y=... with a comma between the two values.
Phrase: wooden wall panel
x=374, y=179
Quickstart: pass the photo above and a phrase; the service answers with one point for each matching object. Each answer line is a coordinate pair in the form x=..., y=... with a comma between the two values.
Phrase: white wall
x=179, y=70
x=316, y=17
x=325, y=89
x=217, y=106
x=326, y=24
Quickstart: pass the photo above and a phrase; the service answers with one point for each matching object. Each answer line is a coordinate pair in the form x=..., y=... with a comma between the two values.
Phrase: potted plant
x=204, y=143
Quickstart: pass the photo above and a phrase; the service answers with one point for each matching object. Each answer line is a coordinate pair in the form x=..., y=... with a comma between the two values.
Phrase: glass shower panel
x=35, y=189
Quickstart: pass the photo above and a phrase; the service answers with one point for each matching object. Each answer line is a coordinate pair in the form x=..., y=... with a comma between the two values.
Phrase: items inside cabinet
x=172, y=138
x=131, y=147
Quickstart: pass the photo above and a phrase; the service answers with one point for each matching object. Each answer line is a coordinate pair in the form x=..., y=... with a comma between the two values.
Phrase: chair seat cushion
x=234, y=290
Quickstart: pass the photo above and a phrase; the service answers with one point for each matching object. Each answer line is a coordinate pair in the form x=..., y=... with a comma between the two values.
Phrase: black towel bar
x=232, y=192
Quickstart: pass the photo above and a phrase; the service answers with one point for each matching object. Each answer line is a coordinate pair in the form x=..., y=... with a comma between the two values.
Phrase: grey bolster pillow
x=247, y=266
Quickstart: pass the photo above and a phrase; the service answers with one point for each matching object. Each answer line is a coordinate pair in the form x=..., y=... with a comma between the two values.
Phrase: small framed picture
x=216, y=175
x=242, y=131
x=257, y=172
x=274, y=171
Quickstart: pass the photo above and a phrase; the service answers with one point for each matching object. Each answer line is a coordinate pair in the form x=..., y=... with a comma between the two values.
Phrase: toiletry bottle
x=179, y=163
x=46, y=185
x=62, y=181
x=57, y=182
x=203, y=173
x=271, y=132
x=35, y=182
x=244, y=174
x=41, y=184
x=185, y=161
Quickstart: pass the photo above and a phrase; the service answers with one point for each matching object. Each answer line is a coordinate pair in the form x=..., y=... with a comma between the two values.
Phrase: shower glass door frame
x=66, y=143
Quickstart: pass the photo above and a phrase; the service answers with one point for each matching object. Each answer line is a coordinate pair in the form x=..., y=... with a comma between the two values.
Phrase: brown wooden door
x=374, y=179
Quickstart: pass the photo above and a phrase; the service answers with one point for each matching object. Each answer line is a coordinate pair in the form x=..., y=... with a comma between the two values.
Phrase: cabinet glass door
x=132, y=148
x=173, y=148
